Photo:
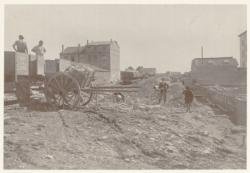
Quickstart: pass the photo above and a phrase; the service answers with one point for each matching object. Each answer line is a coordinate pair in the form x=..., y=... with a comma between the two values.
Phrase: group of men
x=21, y=46
x=188, y=94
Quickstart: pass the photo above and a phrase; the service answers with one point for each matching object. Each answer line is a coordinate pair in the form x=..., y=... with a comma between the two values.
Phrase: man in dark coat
x=163, y=87
x=188, y=98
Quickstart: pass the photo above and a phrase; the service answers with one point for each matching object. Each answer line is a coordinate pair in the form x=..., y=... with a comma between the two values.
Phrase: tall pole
x=202, y=54
x=78, y=52
x=62, y=48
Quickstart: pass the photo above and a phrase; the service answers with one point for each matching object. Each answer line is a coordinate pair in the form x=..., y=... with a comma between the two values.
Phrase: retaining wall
x=234, y=106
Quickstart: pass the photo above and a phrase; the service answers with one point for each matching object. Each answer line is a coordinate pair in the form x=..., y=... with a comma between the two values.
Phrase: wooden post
x=78, y=52
x=62, y=48
x=202, y=54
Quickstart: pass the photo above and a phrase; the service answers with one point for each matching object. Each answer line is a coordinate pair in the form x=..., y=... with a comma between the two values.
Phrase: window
x=211, y=62
x=197, y=62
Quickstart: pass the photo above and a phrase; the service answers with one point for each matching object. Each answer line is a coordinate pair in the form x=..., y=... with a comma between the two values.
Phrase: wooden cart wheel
x=62, y=90
x=85, y=96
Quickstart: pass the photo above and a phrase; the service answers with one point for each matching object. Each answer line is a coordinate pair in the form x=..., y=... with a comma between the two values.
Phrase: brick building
x=105, y=55
x=243, y=49
x=219, y=70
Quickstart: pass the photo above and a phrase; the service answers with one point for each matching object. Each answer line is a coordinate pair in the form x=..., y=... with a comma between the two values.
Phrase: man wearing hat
x=20, y=45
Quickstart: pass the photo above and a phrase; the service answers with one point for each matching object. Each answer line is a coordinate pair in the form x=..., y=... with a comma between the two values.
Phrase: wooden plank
x=110, y=87
x=107, y=90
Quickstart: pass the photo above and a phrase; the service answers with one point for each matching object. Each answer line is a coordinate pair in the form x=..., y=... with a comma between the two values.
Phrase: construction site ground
x=135, y=134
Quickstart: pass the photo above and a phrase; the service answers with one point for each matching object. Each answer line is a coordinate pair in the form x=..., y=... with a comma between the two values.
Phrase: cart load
x=63, y=89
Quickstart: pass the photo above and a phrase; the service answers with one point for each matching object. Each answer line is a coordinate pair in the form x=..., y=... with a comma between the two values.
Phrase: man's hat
x=21, y=37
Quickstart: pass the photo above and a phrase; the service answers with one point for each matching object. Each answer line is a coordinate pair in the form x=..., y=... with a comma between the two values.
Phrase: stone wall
x=221, y=75
x=233, y=105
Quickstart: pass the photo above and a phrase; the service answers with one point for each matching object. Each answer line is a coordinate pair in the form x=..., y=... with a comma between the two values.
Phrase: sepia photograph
x=125, y=87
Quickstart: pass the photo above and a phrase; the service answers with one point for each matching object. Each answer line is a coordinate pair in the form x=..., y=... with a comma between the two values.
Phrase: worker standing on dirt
x=188, y=98
x=163, y=87
x=20, y=45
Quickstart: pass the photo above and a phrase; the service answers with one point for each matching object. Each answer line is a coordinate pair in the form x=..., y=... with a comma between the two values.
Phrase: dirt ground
x=137, y=134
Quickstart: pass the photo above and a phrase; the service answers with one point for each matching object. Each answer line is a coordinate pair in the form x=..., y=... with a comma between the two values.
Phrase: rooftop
x=95, y=43
x=242, y=33
x=215, y=61
x=214, y=58
x=70, y=50
x=75, y=49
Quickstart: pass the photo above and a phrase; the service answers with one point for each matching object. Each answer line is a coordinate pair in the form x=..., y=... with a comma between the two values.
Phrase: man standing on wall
x=20, y=45
x=22, y=84
x=39, y=50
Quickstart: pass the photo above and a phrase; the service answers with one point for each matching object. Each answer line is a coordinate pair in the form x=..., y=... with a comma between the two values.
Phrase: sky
x=166, y=37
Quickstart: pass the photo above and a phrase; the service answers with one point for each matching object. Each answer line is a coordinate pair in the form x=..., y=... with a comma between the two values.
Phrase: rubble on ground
x=135, y=134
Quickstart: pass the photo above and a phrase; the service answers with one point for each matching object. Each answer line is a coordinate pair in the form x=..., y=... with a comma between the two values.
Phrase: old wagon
x=68, y=89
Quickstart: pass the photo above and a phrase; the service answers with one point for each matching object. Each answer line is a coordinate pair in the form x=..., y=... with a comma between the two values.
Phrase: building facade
x=149, y=71
x=243, y=49
x=105, y=55
x=219, y=70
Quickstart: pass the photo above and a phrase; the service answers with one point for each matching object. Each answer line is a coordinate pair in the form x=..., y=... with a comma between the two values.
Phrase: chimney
x=87, y=42
x=202, y=54
x=62, y=48
x=111, y=40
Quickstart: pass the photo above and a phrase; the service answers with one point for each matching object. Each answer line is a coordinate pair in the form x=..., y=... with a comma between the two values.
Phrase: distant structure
x=243, y=49
x=149, y=71
x=102, y=54
x=218, y=70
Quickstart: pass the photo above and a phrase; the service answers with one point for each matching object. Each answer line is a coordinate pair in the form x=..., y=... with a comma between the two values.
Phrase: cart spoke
x=54, y=88
x=58, y=84
x=63, y=89
x=69, y=85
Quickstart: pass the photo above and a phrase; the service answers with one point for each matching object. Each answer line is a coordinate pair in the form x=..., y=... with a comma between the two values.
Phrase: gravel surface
x=136, y=134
